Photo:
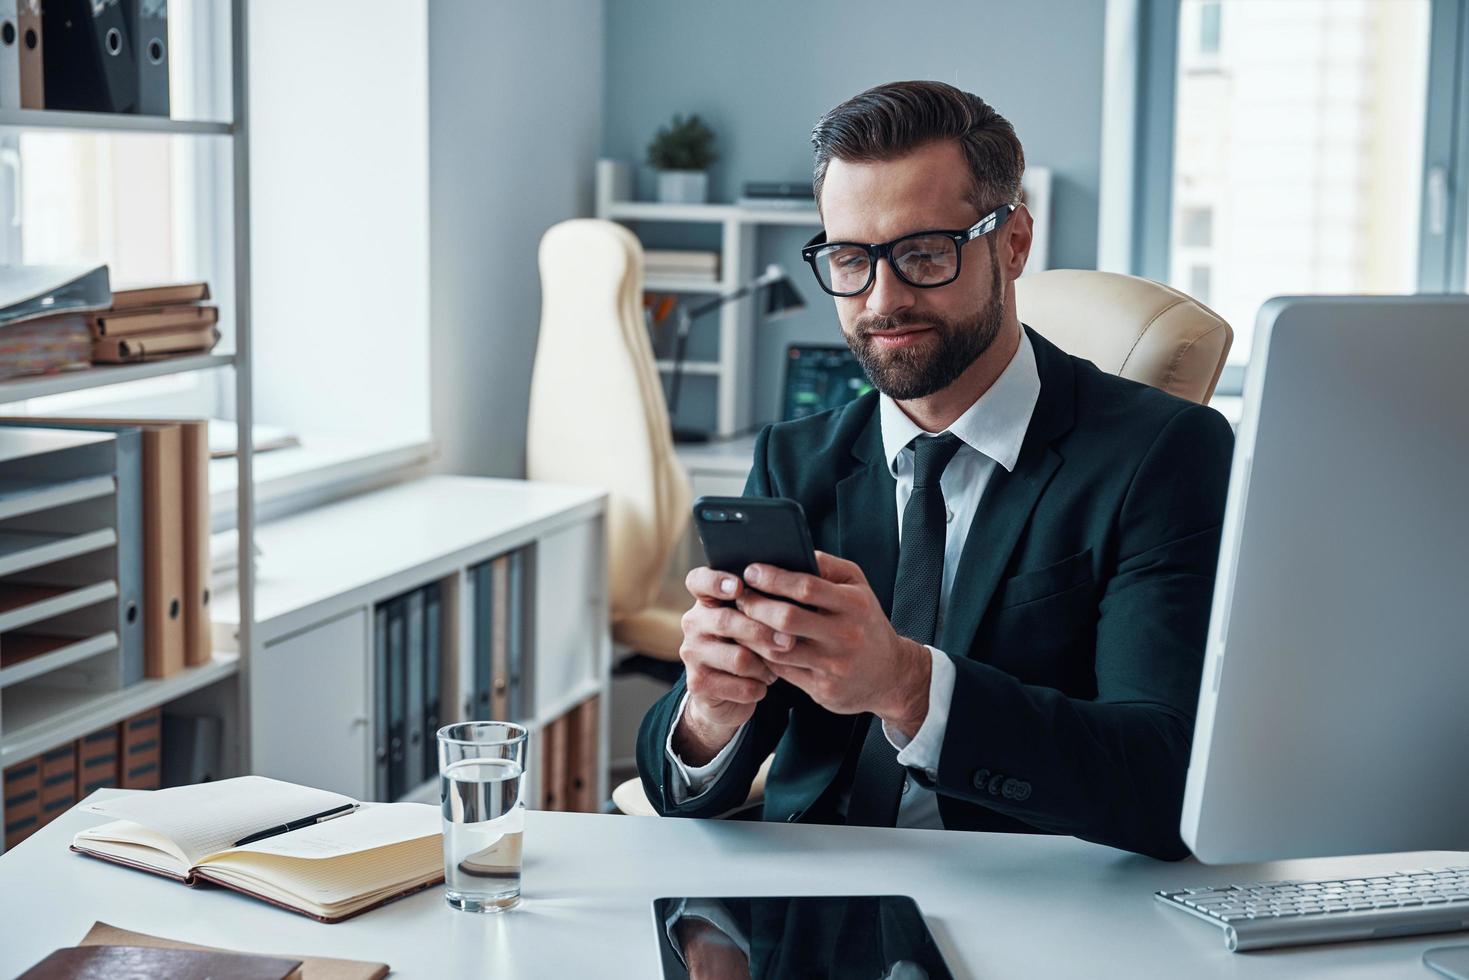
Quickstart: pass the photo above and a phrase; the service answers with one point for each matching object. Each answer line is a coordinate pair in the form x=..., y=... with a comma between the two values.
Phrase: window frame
x=1443, y=236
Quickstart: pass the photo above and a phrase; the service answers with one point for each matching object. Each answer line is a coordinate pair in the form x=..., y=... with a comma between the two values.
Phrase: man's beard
x=917, y=372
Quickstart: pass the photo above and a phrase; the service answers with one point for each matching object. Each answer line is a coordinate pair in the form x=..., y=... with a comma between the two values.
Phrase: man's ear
x=1017, y=234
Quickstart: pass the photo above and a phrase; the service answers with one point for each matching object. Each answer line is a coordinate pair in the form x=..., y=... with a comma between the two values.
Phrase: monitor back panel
x=1334, y=709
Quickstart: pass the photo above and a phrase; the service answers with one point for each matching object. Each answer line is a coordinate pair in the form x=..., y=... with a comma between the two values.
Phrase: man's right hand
x=725, y=680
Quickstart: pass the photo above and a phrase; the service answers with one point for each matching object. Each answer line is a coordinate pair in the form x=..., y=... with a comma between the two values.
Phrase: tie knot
x=931, y=454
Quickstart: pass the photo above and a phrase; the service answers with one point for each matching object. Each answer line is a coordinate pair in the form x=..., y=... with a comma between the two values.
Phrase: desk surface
x=998, y=905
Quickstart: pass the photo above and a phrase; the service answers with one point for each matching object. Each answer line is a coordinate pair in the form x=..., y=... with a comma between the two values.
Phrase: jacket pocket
x=1068, y=573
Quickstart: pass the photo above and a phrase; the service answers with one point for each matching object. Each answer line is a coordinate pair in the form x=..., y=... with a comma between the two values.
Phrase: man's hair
x=885, y=122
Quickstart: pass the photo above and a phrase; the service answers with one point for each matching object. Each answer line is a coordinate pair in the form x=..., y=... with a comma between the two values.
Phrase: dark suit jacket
x=1076, y=622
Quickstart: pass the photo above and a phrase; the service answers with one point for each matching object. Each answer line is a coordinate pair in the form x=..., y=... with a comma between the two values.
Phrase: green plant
x=684, y=144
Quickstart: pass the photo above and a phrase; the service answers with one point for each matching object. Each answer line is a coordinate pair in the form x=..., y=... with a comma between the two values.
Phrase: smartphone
x=740, y=531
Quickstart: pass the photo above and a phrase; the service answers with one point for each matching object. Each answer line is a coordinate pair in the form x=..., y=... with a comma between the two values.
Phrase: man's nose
x=888, y=294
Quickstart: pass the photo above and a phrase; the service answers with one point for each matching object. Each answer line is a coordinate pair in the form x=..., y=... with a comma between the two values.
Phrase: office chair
x=1135, y=328
x=597, y=418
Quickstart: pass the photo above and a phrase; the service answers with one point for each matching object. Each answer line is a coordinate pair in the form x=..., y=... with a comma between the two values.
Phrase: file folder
x=125, y=561
x=500, y=638
x=9, y=54
x=89, y=64
x=477, y=708
x=58, y=781
x=148, y=22
x=32, y=62
x=141, y=347
x=198, y=631
x=22, y=801
x=397, y=700
x=140, y=750
x=433, y=652
x=413, y=691
x=585, y=744
x=97, y=761
x=163, y=555
x=380, y=682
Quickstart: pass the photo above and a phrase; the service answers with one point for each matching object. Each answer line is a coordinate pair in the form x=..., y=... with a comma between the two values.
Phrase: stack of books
x=156, y=321
x=681, y=264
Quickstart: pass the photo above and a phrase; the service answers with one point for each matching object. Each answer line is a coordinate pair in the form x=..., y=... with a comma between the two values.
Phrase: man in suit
x=1017, y=550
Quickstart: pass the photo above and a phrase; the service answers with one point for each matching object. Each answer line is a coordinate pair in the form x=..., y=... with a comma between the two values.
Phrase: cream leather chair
x=598, y=419
x=1138, y=329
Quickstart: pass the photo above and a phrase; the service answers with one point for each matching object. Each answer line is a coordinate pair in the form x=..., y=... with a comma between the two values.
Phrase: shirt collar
x=993, y=426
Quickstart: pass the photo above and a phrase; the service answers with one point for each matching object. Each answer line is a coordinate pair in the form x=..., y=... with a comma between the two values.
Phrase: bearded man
x=1016, y=549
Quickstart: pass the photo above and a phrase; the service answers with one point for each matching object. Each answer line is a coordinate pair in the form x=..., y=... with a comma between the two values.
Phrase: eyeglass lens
x=924, y=260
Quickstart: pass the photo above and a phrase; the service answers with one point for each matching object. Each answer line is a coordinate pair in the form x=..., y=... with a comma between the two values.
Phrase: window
x=1297, y=137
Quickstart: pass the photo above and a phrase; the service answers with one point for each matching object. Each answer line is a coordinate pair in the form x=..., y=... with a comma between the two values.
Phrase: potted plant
x=681, y=152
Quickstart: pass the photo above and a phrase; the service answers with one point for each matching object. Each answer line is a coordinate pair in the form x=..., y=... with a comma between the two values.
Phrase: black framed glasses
x=924, y=259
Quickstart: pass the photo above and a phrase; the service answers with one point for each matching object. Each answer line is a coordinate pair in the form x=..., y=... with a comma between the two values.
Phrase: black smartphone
x=740, y=531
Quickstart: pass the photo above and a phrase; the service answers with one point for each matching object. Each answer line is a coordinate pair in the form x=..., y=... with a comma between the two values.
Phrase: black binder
x=148, y=23
x=414, y=674
x=433, y=659
x=381, y=680
x=397, y=700
x=89, y=63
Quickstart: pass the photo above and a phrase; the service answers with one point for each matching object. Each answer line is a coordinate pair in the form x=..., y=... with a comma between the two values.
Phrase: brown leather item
x=170, y=294
x=170, y=319
x=106, y=962
x=312, y=967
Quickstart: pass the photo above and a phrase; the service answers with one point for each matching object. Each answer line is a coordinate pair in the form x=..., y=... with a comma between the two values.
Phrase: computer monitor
x=1334, y=710
x=819, y=377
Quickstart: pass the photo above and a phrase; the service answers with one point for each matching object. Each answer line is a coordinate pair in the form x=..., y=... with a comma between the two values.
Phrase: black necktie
x=878, y=782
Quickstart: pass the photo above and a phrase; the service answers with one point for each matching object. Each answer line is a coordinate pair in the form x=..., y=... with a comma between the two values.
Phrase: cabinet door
x=571, y=637
x=311, y=718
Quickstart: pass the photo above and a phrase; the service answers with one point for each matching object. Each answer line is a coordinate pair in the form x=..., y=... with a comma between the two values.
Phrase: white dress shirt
x=992, y=431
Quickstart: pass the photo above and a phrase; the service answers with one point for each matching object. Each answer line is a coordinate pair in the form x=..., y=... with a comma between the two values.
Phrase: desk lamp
x=781, y=298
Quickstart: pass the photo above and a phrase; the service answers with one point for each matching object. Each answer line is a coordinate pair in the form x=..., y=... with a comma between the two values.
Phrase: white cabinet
x=312, y=727
x=571, y=614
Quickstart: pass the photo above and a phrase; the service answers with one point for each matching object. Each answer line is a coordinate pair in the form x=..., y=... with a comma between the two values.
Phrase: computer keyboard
x=1262, y=914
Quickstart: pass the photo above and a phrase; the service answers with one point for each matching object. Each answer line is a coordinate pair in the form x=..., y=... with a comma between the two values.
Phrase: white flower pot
x=683, y=186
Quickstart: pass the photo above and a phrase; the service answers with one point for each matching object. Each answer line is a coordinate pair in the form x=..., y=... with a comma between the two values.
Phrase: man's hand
x=709, y=953
x=846, y=654
x=725, y=679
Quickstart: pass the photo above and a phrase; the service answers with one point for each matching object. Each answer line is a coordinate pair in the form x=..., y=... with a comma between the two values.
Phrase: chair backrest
x=1136, y=328
x=597, y=414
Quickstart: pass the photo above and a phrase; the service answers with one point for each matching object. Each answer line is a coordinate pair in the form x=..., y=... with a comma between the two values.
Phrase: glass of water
x=480, y=769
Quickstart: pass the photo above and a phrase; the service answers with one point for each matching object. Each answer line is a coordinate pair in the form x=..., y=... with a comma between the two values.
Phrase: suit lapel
x=1005, y=509
x=867, y=515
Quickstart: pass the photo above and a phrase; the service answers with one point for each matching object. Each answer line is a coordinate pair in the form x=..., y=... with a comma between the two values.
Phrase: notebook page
x=209, y=817
x=374, y=825
x=330, y=887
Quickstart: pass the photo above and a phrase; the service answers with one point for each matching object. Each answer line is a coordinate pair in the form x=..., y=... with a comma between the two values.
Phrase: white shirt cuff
x=928, y=742
x=689, y=781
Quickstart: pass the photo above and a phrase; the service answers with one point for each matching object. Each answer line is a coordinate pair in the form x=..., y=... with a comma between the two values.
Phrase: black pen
x=297, y=824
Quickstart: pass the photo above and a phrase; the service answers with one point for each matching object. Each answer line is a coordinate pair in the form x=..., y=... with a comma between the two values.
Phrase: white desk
x=998, y=905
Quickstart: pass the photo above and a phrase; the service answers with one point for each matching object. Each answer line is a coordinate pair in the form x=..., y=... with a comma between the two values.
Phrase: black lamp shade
x=781, y=297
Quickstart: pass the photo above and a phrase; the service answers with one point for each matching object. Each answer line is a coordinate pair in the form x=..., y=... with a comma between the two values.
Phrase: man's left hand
x=842, y=651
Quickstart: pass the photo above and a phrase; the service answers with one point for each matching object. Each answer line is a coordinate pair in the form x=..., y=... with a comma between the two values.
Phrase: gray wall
x=762, y=71
x=514, y=123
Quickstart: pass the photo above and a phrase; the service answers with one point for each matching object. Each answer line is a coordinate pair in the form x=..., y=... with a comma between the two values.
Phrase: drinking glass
x=480, y=768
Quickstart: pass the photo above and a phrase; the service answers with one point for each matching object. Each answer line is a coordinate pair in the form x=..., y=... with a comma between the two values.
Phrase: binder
x=58, y=781
x=22, y=801
x=148, y=24
x=500, y=638
x=553, y=766
x=32, y=65
x=97, y=761
x=9, y=55
x=141, y=347
x=433, y=652
x=167, y=294
x=163, y=553
x=122, y=455
x=89, y=64
x=397, y=702
x=478, y=706
x=582, y=794
x=519, y=637
x=140, y=750
x=413, y=690
x=380, y=681
x=129, y=323
x=198, y=629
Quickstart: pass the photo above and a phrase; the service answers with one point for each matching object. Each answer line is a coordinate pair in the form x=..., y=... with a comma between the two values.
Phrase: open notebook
x=330, y=870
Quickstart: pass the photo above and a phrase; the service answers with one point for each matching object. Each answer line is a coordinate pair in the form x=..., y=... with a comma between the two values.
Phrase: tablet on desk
x=808, y=936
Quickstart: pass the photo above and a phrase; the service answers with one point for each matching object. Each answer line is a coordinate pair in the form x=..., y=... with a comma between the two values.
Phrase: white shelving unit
x=45, y=718
x=733, y=368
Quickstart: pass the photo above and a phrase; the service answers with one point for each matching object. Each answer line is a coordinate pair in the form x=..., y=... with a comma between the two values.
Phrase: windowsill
x=323, y=465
